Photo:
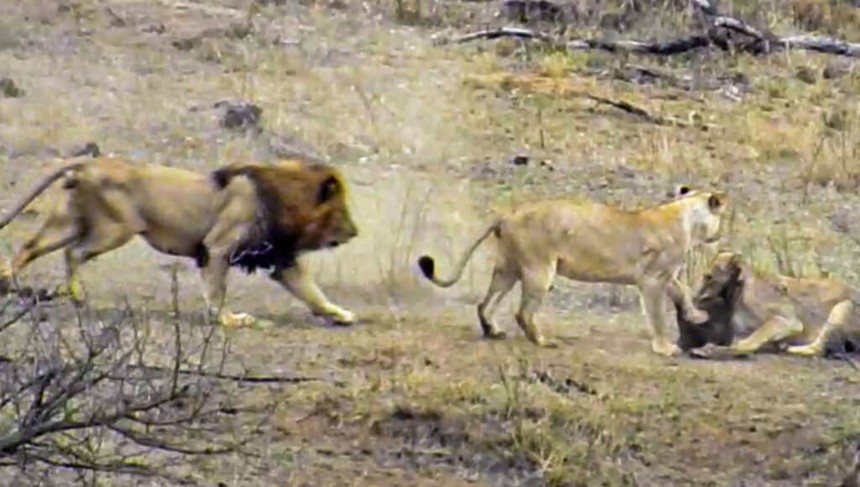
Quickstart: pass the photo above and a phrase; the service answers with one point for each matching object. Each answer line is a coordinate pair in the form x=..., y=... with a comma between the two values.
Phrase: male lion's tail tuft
x=428, y=265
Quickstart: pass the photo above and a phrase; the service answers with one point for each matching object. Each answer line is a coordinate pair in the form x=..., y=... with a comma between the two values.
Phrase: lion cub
x=751, y=311
x=593, y=242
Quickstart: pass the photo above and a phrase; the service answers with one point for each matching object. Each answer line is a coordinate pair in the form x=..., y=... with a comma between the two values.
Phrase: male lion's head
x=718, y=294
x=304, y=204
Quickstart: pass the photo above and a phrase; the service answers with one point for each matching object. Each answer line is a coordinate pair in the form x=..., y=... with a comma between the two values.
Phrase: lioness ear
x=716, y=201
x=329, y=188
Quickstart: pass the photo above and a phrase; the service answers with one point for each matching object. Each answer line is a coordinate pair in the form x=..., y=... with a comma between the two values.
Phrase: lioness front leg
x=652, y=296
x=298, y=282
x=775, y=329
x=836, y=320
x=681, y=294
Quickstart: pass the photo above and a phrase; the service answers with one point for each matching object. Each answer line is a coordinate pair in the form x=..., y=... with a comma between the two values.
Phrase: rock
x=9, y=89
x=240, y=115
x=807, y=75
x=89, y=149
x=834, y=70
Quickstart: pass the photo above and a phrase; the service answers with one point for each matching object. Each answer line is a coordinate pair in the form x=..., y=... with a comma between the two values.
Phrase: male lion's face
x=721, y=280
x=333, y=224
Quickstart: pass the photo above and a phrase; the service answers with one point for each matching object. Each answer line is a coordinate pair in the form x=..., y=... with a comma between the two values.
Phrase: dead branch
x=86, y=384
x=250, y=379
x=755, y=41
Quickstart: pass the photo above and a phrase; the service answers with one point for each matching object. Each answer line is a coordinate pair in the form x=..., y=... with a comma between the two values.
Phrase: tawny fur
x=593, y=242
x=251, y=215
x=751, y=312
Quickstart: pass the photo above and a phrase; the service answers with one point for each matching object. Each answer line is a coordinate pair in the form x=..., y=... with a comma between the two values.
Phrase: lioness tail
x=428, y=265
x=39, y=189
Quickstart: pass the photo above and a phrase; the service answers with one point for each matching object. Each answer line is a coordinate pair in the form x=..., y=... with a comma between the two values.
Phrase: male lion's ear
x=328, y=189
x=716, y=201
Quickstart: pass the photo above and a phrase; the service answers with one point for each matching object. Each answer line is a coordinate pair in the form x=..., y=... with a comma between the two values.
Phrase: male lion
x=251, y=216
x=803, y=316
x=593, y=242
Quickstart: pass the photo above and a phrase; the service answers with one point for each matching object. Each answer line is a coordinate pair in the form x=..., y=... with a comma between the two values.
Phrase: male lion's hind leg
x=298, y=282
x=58, y=231
x=501, y=283
x=652, y=297
x=836, y=320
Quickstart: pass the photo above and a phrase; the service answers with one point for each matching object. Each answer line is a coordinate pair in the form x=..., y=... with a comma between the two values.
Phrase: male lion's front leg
x=681, y=294
x=652, y=295
x=298, y=282
x=214, y=275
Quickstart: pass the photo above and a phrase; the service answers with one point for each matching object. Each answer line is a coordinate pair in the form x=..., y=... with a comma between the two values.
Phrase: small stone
x=9, y=89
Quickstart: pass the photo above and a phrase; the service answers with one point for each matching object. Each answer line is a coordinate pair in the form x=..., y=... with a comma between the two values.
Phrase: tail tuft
x=427, y=266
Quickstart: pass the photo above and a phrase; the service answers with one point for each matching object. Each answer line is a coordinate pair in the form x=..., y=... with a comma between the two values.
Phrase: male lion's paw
x=339, y=317
x=236, y=320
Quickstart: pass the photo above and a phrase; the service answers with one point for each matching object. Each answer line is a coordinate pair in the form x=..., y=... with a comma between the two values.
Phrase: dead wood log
x=757, y=42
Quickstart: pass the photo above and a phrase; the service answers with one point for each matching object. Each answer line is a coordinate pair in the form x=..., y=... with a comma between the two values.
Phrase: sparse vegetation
x=426, y=135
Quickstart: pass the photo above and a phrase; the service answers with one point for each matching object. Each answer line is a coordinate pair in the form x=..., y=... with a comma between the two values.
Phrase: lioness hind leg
x=298, y=282
x=502, y=282
x=535, y=285
x=836, y=320
x=775, y=329
x=652, y=297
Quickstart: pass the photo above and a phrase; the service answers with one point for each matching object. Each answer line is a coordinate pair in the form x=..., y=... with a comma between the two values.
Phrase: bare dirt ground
x=412, y=395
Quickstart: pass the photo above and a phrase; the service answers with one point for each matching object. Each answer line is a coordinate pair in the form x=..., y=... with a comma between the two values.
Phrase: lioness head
x=705, y=219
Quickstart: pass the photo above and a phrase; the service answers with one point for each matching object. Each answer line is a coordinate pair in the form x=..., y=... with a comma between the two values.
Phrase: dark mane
x=287, y=194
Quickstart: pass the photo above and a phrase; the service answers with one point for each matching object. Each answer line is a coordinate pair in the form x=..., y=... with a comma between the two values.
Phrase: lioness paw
x=665, y=348
x=697, y=316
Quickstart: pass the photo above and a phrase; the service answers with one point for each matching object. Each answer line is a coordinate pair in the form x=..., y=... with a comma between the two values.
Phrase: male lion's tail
x=428, y=265
x=39, y=189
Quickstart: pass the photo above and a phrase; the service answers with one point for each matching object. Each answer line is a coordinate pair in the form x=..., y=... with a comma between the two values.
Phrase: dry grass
x=424, y=135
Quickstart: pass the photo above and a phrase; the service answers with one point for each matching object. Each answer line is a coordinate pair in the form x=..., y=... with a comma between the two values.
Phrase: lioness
x=251, y=216
x=594, y=242
x=751, y=311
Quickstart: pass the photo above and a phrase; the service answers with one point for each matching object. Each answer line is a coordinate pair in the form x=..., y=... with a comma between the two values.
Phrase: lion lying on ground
x=593, y=242
x=251, y=216
x=749, y=311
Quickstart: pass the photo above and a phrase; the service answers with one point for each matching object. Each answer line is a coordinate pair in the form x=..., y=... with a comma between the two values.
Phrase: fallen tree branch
x=759, y=42
x=259, y=379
